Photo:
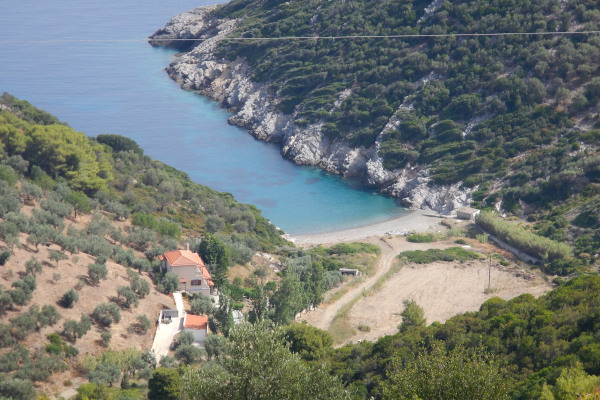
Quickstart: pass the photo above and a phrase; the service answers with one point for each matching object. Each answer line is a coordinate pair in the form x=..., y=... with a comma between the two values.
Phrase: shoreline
x=415, y=221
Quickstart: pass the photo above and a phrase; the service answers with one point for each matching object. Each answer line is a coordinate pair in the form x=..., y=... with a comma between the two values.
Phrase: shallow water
x=69, y=58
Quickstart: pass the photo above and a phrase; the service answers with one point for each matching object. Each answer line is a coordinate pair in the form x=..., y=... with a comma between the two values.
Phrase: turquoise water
x=67, y=58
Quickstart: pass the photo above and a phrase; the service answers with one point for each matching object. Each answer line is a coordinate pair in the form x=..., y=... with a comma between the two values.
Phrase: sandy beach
x=416, y=221
x=442, y=289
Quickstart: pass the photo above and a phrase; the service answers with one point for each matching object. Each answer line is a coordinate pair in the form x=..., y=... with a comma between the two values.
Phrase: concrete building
x=197, y=325
x=467, y=213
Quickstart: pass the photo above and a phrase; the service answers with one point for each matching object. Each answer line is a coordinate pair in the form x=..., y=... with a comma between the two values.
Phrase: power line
x=401, y=36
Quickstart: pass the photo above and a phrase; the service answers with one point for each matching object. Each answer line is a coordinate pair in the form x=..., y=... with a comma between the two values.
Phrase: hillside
x=82, y=219
x=499, y=121
x=81, y=223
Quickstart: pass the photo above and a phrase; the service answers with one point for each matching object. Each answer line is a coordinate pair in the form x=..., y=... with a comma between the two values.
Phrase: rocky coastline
x=254, y=108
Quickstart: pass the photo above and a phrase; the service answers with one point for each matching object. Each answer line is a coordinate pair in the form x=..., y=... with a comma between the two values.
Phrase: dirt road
x=442, y=289
x=323, y=316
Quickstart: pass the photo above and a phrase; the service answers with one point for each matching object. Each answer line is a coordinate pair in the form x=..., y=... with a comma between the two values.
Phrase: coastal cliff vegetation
x=467, y=105
x=497, y=97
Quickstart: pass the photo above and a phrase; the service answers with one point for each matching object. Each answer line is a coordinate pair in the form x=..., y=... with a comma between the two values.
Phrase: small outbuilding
x=467, y=213
x=197, y=325
x=350, y=271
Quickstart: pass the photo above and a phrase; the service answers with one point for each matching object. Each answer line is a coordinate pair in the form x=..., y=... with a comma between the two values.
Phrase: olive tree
x=258, y=365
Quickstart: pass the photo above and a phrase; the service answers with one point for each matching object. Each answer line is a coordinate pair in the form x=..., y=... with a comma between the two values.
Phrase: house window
x=196, y=282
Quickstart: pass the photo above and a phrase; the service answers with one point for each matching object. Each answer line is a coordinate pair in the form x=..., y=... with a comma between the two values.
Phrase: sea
x=89, y=63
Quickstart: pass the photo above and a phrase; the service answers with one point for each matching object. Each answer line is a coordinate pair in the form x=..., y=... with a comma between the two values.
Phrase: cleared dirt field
x=442, y=289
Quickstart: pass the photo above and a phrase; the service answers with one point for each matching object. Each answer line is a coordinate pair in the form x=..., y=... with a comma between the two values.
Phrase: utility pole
x=490, y=274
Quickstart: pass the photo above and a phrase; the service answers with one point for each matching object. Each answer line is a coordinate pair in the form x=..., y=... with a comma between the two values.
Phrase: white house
x=197, y=325
x=189, y=267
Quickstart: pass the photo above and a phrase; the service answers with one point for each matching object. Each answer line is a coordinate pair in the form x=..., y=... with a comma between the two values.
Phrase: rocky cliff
x=255, y=108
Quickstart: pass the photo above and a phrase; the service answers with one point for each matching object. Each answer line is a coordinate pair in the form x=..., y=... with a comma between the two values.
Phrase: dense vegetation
x=513, y=116
x=523, y=347
x=532, y=244
x=431, y=255
x=514, y=92
x=111, y=173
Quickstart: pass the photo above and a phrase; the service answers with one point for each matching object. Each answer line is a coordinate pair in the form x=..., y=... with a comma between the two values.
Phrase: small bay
x=79, y=61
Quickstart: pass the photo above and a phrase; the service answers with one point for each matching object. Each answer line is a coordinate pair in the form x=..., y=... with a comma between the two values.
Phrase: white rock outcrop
x=254, y=107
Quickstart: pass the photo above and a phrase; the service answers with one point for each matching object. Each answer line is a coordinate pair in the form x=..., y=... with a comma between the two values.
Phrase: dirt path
x=323, y=316
x=441, y=289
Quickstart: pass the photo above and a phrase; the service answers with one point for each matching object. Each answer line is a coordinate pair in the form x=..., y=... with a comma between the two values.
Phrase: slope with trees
x=511, y=119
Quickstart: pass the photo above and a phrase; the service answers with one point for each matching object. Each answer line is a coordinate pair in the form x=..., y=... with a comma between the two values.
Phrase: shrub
x=143, y=323
x=106, y=313
x=106, y=336
x=33, y=266
x=119, y=143
x=4, y=256
x=96, y=272
x=353, y=248
x=202, y=305
x=431, y=255
x=69, y=298
x=421, y=238
x=57, y=256
x=73, y=329
x=189, y=354
x=528, y=242
x=169, y=283
x=129, y=296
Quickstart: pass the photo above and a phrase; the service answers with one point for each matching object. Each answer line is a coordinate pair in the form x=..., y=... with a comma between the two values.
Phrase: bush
x=106, y=336
x=432, y=255
x=189, y=354
x=96, y=272
x=202, y=305
x=169, y=283
x=106, y=313
x=528, y=242
x=353, y=248
x=4, y=256
x=143, y=323
x=69, y=298
x=129, y=296
x=421, y=238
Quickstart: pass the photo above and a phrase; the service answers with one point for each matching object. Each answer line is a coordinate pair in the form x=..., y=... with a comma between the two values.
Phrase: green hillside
x=514, y=116
x=111, y=172
x=524, y=348
x=81, y=223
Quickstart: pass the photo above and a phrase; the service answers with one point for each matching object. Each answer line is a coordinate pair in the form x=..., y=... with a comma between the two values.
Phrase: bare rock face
x=188, y=25
x=254, y=108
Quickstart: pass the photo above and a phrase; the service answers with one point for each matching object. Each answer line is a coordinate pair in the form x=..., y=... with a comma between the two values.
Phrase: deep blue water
x=69, y=58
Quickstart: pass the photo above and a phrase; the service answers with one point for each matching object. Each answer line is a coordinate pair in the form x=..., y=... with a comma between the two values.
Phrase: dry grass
x=54, y=281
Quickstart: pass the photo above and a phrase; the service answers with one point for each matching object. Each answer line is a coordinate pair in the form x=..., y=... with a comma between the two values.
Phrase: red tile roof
x=183, y=258
x=196, y=322
x=178, y=258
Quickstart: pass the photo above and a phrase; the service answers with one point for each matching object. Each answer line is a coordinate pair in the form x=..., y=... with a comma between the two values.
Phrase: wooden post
x=490, y=274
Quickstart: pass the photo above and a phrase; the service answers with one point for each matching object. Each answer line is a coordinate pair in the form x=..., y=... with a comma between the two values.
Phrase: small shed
x=166, y=316
x=467, y=213
x=350, y=271
x=197, y=325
